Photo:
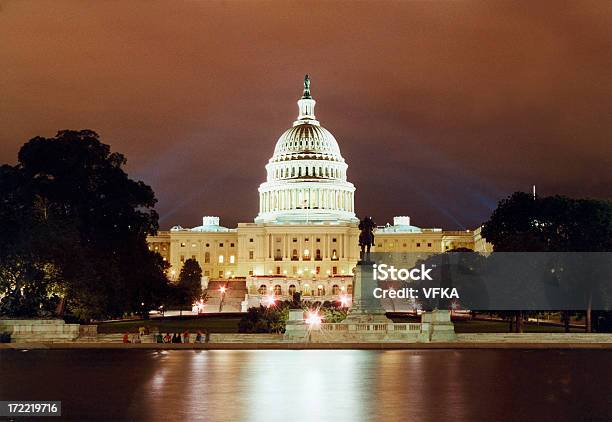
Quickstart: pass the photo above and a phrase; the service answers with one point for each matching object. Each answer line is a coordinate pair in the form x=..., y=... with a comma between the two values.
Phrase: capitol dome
x=306, y=180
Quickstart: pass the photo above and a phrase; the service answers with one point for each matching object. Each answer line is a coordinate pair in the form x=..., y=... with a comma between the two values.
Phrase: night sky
x=440, y=108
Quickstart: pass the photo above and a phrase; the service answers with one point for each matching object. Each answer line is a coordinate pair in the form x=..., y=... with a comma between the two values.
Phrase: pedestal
x=437, y=326
x=365, y=307
x=296, y=328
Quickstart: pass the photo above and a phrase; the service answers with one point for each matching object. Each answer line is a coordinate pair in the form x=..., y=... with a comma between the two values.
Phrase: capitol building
x=305, y=236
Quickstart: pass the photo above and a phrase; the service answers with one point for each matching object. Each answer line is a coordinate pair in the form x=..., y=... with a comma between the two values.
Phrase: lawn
x=212, y=323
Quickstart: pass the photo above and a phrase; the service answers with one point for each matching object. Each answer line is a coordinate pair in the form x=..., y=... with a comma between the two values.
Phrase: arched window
x=278, y=256
x=294, y=255
x=262, y=289
x=321, y=290
x=206, y=257
x=277, y=290
x=335, y=289
x=318, y=255
x=221, y=259
x=291, y=289
x=306, y=255
x=349, y=289
x=334, y=255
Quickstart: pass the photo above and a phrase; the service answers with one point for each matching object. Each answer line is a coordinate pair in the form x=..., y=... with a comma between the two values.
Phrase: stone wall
x=39, y=330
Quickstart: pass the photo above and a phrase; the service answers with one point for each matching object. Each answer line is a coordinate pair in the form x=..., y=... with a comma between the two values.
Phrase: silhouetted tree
x=74, y=231
x=522, y=223
x=190, y=282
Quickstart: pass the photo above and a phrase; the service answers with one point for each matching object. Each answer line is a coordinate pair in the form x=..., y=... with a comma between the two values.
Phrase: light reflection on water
x=314, y=385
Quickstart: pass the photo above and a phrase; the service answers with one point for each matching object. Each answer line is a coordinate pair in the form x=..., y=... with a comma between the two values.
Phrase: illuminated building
x=305, y=237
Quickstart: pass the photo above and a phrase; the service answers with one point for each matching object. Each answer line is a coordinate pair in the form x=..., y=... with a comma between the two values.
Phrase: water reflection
x=312, y=385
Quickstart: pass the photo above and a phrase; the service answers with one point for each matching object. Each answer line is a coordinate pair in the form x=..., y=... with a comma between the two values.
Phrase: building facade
x=305, y=237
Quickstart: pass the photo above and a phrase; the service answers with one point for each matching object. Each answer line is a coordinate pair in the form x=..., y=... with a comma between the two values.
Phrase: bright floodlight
x=222, y=289
x=345, y=301
x=313, y=318
x=269, y=301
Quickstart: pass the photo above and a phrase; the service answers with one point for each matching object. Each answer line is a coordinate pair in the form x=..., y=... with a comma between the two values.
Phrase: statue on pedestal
x=366, y=238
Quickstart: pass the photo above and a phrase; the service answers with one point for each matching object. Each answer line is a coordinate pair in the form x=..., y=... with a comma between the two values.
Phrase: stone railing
x=374, y=327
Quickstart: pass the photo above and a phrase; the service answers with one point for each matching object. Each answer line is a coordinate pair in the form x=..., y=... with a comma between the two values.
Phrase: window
x=349, y=289
x=306, y=255
x=334, y=256
x=334, y=240
x=207, y=273
x=334, y=270
x=232, y=259
x=277, y=270
x=278, y=256
x=277, y=290
x=262, y=289
x=231, y=245
x=220, y=274
x=404, y=245
x=207, y=245
x=318, y=270
x=250, y=272
x=221, y=244
x=207, y=257
x=335, y=289
x=251, y=253
x=221, y=259
x=418, y=244
x=318, y=255
x=294, y=255
x=318, y=240
x=291, y=289
x=182, y=258
x=429, y=245
x=278, y=239
x=182, y=244
x=306, y=239
x=294, y=239
x=251, y=240
x=193, y=245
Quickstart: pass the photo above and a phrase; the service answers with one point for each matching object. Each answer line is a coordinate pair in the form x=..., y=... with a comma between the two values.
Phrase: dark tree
x=190, y=282
x=74, y=227
x=522, y=223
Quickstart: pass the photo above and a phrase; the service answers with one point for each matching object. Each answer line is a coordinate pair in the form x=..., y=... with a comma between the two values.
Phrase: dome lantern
x=306, y=106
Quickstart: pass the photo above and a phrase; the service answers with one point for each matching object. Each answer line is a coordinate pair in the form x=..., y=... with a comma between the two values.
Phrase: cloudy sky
x=441, y=108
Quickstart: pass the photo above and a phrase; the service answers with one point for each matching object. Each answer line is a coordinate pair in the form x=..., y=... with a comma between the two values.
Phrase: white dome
x=306, y=175
x=307, y=141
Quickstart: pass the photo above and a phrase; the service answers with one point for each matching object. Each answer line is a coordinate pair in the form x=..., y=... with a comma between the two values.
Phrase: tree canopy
x=522, y=223
x=74, y=231
x=190, y=282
